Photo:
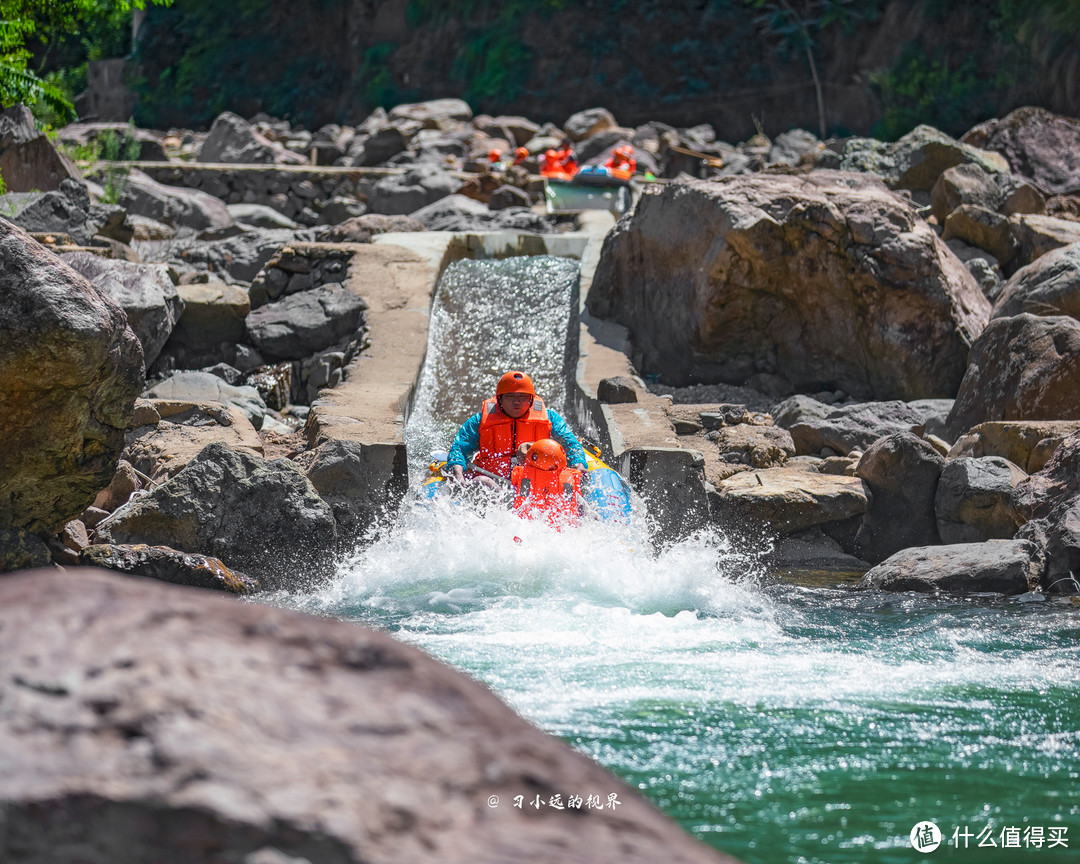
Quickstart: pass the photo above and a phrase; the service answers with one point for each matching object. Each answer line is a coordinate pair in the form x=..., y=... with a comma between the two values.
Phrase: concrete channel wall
x=397, y=276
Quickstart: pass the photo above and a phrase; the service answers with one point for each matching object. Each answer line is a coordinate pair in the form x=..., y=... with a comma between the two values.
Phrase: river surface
x=777, y=722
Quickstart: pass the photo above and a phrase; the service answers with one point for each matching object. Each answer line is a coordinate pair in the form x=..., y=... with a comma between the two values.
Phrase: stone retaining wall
x=286, y=188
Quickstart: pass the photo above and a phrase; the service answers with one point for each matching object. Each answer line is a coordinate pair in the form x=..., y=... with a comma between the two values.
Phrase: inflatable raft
x=600, y=493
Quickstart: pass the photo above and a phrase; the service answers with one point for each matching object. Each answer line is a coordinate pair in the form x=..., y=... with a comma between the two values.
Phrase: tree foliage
x=48, y=21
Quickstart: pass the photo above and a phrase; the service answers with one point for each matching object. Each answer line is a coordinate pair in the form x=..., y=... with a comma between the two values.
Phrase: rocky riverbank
x=869, y=330
x=865, y=354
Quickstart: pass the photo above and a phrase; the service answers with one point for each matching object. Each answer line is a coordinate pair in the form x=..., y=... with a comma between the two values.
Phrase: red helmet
x=494, y=155
x=546, y=455
x=515, y=382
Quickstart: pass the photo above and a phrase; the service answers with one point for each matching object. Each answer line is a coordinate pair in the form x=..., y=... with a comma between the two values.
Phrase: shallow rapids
x=776, y=723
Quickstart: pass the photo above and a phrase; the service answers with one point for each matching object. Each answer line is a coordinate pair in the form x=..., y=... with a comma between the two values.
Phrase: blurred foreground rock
x=141, y=722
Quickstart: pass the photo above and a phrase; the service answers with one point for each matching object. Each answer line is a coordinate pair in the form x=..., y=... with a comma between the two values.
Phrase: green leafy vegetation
x=206, y=56
x=919, y=89
x=115, y=150
x=492, y=63
x=44, y=45
x=1032, y=55
x=375, y=80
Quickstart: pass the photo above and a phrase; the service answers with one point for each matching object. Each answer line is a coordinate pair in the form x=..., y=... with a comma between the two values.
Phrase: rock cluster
x=143, y=722
x=873, y=353
x=905, y=308
x=866, y=279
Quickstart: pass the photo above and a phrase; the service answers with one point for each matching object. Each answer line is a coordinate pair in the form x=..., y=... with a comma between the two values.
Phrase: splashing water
x=778, y=723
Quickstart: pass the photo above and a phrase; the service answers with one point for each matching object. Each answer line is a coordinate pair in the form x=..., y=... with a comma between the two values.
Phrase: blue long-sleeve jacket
x=467, y=441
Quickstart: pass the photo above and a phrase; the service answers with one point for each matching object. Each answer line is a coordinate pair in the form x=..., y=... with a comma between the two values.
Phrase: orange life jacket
x=552, y=495
x=559, y=164
x=501, y=435
x=621, y=166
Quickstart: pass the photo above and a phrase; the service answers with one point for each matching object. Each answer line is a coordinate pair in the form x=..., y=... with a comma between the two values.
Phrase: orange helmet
x=515, y=382
x=546, y=455
x=494, y=155
x=521, y=154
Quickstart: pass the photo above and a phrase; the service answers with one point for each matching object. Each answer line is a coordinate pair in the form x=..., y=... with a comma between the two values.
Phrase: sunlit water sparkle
x=775, y=722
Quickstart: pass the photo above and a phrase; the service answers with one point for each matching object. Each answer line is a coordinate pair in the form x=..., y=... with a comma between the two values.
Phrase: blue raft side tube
x=607, y=495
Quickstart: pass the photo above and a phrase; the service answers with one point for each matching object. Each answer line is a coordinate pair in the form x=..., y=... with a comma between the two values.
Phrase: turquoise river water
x=777, y=722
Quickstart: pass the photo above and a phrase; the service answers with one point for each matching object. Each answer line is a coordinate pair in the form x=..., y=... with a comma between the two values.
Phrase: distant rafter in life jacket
x=559, y=164
x=544, y=488
x=621, y=163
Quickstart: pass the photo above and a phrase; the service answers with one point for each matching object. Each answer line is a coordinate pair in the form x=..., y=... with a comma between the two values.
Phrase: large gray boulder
x=789, y=500
x=968, y=183
x=173, y=205
x=70, y=370
x=793, y=147
x=260, y=216
x=299, y=325
x=854, y=427
x=995, y=567
x=1050, y=285
x=1028, y=444
x=28, y=160
x=1050, y=498
x=799, y=408
x=934, y=413
x=168, y=565
x=461, y=213
x=361, y=229
x=233, y=140
x=901, y=473
x=1038, y=144
x=144, y=291
x=68, y=210
x=144, y=722
x=918, y=159
x=363, y=483
x=983, y=229
x=214, y=313
x=1036, y=235
x=376, y=148
x=402, y=194
x=261, y=517
x=191, y=386
x=172, y=433
x=433, y=114
x=829, y=280
x=585, y=124
x=22, y=550
x=973, y=502
x=1021, y=368
x=240, y=257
